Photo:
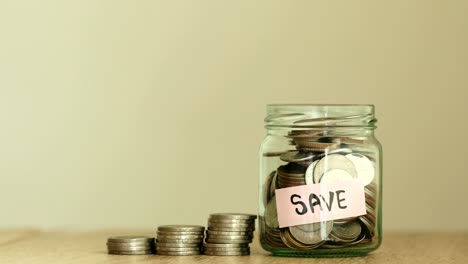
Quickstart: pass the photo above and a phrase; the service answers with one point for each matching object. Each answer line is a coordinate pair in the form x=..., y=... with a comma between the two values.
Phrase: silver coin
x=226, y=248
x=225, y=245
x=314, y=144
x=180, y=241
x=272, y=154
x=360, y=240
x=229, y=236
x=270, y=187
x=129, y=248
x=318, y=156
x=231, y=221
x=136, y=252
x=313, y=237
x=179, y=236
x=179, y=253
x=344, y=220
x=214, y=250
x=271, y=216
x=222, y=250
x=370, y=193
x=182, y=245
x=233, y=216
x=236, y=229
x=331, y=162
x=230, y=225
x=309, y=227
x=283, y=183
x=228, y=241
x=175, y=228
x=364, y=167
x=338, y=151
x=291, y=242
x=178, y=249
x=178, y=233
x=295, y=156
x=372, y=187
x=335, y=175
x=287, y=179
x=368, y=224
x=220, y=253
x=309, y=174
x=290, y=171
x=272, y=241
x=130, y=239
x=347, y=232
x=129, y=244
x=228, y=233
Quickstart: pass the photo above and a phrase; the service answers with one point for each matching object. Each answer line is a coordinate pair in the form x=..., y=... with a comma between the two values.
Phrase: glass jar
x=320, y=181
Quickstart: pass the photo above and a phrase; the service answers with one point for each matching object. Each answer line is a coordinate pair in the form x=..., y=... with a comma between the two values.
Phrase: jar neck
x=328, y=132
x=320, y=120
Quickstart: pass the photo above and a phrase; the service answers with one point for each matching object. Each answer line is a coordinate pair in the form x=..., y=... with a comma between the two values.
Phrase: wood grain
x=32, y=246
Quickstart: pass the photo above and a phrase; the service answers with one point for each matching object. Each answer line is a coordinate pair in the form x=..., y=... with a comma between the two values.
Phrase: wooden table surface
x=33, y=246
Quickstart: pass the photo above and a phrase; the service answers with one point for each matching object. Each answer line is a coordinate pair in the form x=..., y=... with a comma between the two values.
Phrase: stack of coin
x=369, y=220
x=271, y=235
x=179, y=240
x=320, y=158
x=229, y=234
x=290, y=175
x=130, y=245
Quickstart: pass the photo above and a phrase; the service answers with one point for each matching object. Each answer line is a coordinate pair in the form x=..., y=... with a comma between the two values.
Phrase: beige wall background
x=139, y=113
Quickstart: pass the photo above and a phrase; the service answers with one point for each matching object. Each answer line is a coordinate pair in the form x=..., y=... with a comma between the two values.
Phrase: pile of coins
x=229, y=234
x=130, y=245
x=317, y=159
x=179, y=240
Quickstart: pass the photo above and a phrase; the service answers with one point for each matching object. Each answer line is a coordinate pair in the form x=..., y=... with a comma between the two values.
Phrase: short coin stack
x=229, y=234
x=130, y=245
x=179, y=240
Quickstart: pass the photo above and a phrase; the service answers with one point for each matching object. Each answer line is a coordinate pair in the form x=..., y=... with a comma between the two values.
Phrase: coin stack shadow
x=130, y=245
x=229, y=234
x=179, y=240
x=319, y=158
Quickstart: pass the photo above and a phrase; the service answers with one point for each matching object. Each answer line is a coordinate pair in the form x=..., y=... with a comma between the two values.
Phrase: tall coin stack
x=130, y=245
x=229, y=234
x=179, y=240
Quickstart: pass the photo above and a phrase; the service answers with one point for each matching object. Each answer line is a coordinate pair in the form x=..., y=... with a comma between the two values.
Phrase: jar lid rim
x=320, y=115
x=321, y=105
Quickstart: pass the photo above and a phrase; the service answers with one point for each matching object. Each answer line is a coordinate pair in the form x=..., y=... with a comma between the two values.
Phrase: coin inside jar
x=311, y=233
x=331, y=162
x=295, y=156
x=365, y=168
x=336, y=175
x=309, y=174
x=272, y=187
x=271, y=216
x=346, y=232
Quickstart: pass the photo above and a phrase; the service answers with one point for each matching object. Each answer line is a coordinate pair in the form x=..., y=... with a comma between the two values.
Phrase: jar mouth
x=320, y=116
